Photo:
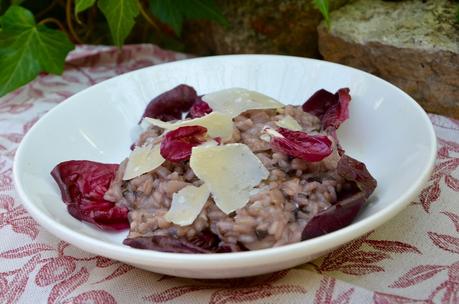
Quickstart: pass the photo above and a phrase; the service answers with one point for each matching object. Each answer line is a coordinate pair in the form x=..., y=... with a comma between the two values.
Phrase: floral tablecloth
x=414, y=258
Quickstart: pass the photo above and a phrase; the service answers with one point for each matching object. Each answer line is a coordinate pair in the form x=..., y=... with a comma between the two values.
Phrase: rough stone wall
x=259, y=26
x=412, y=44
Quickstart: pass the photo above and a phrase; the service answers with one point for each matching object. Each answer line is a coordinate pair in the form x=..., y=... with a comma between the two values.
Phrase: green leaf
x=324, y=7
x=120, y=15
x=27, y=48
x=52, y=47
x=17, y=18
x=168, y=12
x=18, y=67
x=82, y=5
x=204, y=9
x=174, y=12
x=2, y=5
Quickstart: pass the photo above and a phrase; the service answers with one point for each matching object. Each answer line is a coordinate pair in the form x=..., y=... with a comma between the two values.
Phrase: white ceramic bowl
x=387, y=130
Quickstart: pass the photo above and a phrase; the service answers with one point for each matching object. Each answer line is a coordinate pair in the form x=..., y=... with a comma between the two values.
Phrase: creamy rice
x=277, y=211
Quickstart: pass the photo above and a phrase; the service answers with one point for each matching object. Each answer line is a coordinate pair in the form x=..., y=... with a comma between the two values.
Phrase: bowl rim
x=220, y=260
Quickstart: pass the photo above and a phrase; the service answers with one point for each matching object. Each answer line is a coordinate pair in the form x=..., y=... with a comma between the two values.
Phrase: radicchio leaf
x=171, y=104
x=200, y=108
x=359, y=186
x=335, y=217
x=331, y=109
x=204, y=242
x=83, y=184
x=319, y=103
x=177, y=144
x=301, y=145
x=164, y=243
x=353, y=170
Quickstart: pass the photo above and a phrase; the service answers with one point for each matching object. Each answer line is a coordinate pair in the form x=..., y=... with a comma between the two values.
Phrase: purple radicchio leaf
x=299, y=144
x=204, y=242
x=176, y=145
x=353, y=170
x=200, y=108
x=358, y=187
x=83, y=184
x=171, y=104
x=331, y=109
x=165, y=244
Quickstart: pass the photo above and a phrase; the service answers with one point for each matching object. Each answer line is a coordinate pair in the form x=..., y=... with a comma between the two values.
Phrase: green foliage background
x=37, y=35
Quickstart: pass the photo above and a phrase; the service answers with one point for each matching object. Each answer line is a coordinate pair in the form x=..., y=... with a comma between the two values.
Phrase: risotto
x=260, y=175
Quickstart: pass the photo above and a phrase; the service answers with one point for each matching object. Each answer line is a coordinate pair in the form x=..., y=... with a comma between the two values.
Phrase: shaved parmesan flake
x=143, y=160
x=288, y=122
x=271, y=132
x=265, y=137
x=236, y=100
x=217, y=124
x=268, y=133
x=187, y=204
x=230, y=171
x=209, y=143
x=159, y=123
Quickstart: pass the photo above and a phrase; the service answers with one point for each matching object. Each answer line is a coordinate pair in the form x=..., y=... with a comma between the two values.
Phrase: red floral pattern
x=448, y=162
x=324, y=295
x=353, y=259
x=241, y=291
x=412, y=259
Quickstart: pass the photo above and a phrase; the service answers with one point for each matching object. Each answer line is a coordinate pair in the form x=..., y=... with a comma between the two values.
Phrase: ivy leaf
x=120, y=15
x=203, y=9
x=27, y=48
x=174, y=12
x=2, y=5
x=82, y=5
x=17, y=18
x=168, y=13
x=324, y=8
